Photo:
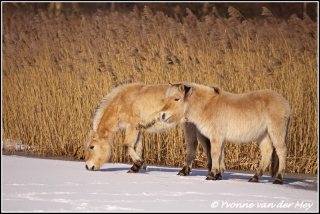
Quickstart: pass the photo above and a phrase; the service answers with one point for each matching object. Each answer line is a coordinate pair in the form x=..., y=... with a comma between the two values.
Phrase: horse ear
x=181, y=88
x=187, y=90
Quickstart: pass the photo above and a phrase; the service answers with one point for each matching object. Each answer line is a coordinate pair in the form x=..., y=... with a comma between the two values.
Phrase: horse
x=135, y=107
x=261, y=116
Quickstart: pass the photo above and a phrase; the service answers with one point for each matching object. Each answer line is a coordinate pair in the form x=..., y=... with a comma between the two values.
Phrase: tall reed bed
x=57, y=68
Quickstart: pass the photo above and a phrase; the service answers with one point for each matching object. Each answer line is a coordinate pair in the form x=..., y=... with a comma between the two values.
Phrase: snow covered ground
x=46, y=185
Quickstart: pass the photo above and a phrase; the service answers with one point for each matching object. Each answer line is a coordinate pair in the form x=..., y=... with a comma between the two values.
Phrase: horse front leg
x=139, y=148
x=132, y=136
x=190, y=136
x=222, y=166
x=215, y=173
x=205, y=143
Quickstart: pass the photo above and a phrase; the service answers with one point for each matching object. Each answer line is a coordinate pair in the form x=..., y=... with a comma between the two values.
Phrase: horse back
x=265, y=100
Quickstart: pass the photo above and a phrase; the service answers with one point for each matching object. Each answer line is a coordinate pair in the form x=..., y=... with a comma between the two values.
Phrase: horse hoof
x=278, y=182
x=253, y=180
x=181, y=173
x=218, y=177
x=209, y=177
x=135, y=168
x=184, y=171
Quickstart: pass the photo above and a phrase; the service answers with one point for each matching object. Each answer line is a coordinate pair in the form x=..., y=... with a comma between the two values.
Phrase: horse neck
x=100, y=123
x=105, y=125
x=197, y=102
x=105, y=129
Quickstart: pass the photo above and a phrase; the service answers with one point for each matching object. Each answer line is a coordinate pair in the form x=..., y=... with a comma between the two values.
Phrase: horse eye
x=176, y=99
x=91, y=147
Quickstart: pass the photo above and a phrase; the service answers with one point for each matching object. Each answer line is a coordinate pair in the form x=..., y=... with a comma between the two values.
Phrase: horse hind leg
x=266, y=149
x=131, y=138
x=278, y=136
x=190, y=136
x=275, y=167
x=278, y=162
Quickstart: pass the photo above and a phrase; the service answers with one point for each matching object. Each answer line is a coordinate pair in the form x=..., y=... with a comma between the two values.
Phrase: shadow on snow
x=197, y=172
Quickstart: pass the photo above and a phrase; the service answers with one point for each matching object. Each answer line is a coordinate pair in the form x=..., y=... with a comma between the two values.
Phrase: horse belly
x=244, y=134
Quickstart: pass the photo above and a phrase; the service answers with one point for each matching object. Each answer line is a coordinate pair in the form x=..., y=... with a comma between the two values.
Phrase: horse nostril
x=91, y=169
x=163, y=116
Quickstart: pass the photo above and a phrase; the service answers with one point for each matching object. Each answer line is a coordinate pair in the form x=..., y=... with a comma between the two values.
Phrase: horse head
x=97, y=151
x=174, y=107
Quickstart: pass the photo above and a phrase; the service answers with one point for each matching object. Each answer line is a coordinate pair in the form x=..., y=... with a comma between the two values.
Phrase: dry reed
x=56, y=69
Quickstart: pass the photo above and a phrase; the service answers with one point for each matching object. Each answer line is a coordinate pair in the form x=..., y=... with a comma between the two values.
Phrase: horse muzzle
x=91, y=168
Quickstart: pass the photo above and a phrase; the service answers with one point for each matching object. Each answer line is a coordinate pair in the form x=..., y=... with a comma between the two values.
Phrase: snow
x=47, y=185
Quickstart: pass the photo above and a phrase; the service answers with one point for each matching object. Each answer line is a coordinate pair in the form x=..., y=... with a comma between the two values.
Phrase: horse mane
x=216, y=89
x=104, y=103
x=124, y=83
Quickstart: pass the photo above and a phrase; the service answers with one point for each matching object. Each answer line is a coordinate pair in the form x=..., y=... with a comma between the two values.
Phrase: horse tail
x=274, y=163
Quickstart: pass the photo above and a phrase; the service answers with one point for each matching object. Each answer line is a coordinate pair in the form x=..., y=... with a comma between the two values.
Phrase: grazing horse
x=133, y=107
x=261, y=116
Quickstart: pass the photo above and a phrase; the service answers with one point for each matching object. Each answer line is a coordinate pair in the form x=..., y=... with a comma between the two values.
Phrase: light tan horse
x=261, y=116
x=133, y=107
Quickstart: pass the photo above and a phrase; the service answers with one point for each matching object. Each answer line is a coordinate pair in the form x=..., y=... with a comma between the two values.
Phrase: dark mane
x=216, y=89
